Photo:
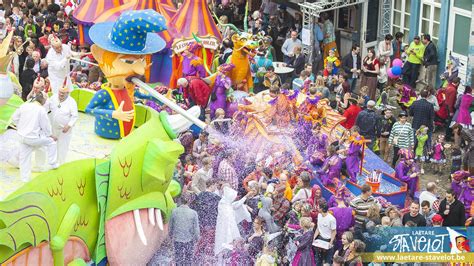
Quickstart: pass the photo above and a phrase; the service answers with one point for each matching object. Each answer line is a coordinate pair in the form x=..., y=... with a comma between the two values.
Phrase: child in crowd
x=189, y=168
x=267, y=258
x=438, y=157
x=298, y=83
x=364, y=96
x=420, y=151
x=271, y=79
x=332, y=60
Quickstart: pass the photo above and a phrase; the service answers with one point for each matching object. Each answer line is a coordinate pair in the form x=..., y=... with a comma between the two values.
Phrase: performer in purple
x=341, y=191
x=221, y=90
x=317, y=146
x=457, y=182
x=467, y=196
x=331, y=167
x=406, y=171
x=344, y=216
x=354, y=154
x=192, y=65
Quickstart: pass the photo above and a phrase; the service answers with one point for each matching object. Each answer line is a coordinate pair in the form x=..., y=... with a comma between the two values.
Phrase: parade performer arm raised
x=120, y=48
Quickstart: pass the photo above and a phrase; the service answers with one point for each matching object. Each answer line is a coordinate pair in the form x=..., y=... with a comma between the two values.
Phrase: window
x=462, y=25
x=401, y=18
x=464, y=4
x=430, y=18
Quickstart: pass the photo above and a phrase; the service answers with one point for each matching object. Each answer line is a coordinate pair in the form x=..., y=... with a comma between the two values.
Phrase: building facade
x=449, y=22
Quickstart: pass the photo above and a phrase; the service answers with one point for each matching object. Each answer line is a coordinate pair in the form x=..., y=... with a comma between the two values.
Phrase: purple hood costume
x=402, y=172
x=353, y=160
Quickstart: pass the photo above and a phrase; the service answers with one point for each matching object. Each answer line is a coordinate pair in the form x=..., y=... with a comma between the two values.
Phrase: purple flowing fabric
x=345, y=220
x=333, y=171
x=467, y=197
x=221, y=98
x=457, y=188
x=353, y=161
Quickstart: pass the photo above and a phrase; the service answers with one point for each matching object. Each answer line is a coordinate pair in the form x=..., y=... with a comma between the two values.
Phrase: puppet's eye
x=128, y=61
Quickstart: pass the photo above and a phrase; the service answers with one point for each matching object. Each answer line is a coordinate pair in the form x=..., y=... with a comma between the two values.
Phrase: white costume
x=58, y=67
x=229, y=215
x=62, y=114
x=34, y=129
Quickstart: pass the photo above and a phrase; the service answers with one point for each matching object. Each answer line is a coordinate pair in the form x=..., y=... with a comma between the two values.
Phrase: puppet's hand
x=119, y=114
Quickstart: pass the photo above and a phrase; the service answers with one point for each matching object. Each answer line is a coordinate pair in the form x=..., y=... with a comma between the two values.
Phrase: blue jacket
x=102, y=105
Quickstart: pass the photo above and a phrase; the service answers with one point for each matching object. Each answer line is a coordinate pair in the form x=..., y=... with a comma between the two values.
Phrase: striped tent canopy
x=90, y=12
x=194, y=17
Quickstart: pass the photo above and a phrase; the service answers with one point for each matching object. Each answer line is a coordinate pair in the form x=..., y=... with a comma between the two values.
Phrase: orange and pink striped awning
x=194, y=17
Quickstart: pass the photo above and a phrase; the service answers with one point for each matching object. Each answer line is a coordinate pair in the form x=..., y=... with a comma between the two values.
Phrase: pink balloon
x=397, y=62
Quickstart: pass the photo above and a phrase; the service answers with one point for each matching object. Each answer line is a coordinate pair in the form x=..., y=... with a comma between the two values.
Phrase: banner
x=209, y=42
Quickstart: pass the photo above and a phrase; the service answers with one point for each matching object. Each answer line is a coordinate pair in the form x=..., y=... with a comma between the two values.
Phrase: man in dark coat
x=452, y=210
x=351, y=64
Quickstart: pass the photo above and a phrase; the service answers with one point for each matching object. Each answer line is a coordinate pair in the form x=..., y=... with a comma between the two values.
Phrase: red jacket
x=199, y=91
x=351, y=115
x=451, y=95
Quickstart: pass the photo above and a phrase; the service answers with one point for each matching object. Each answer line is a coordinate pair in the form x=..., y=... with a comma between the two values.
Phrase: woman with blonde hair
x=321, y=88
x=304, y=254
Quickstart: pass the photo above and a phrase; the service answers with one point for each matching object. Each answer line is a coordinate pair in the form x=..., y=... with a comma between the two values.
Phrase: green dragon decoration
x=113, y=211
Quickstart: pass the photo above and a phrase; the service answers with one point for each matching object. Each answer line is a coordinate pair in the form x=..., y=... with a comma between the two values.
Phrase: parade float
x=271, y=120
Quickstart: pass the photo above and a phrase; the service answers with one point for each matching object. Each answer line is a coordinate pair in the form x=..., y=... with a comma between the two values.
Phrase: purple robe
x=402, y=172
x=334, y=166
x=353, y=161
x=467, y=198
x=344, y=220
x=220, y=86
x=192, y=71
x=457, y=188
x=304, y=255
x=317, y=148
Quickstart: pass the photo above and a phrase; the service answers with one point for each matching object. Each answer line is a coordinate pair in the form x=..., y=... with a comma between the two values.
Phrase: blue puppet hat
x=129, y=34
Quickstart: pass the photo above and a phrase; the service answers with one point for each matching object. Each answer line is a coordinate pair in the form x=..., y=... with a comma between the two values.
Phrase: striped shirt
x=361, y=208
x=401, y=136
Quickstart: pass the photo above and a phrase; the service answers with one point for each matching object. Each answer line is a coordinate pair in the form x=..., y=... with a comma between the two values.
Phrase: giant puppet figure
x=96, y=211
x=120, y=48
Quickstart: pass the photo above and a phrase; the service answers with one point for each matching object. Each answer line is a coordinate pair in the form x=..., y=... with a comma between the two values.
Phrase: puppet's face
x=460, y=243
x=119, y=69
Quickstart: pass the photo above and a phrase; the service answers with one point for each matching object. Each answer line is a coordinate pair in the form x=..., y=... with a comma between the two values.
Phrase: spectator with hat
x=63, y=118
x=411, y=68
x=437, y=220
x=401, y=136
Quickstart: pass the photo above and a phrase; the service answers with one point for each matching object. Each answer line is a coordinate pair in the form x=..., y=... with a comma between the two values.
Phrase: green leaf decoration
x=102, y=174
x=26, y=220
